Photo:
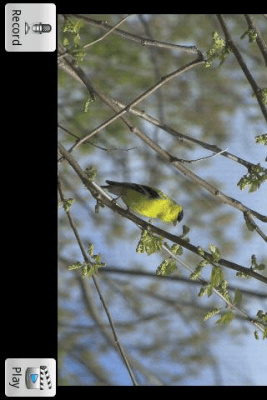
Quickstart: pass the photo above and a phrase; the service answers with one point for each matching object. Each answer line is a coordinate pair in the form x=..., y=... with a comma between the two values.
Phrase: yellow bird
x=147, y=201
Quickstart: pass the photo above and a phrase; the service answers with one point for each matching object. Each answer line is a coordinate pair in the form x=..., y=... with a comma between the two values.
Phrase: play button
x=33, y=377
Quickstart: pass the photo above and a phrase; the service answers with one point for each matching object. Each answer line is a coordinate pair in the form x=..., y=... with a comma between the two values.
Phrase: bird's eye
x=180, y=216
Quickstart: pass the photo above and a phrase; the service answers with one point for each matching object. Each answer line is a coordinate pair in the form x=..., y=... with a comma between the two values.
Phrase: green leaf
x=216, y=276
x=91, y=172
x=78, y=54
x=211, y=314
x=90, y=249
x=207, y=289
x=218, y=49
x=72, y=26
x=186, y=229
x=254, y=265
x=89, y=268
x=260, y=267
x=256, y=334
x=254, y=178
x=71, y=38
x=66, y=42
x=252, y=35
x=67, y=204
x=98, y=205
x=264, y=95
x=76, y=39
x=264, y=334
x=87, y=104
x=249, y=226
x=74, y=266
x=84, y=270
x=200, y=251
x=97, y=258
x=226, y=318
x=93, y=269
x=241, y=274
x=238, y=296
x=262, y=316
x=177, y=249
x=261, y=139
x=222, y=288
x=149, y=243
x=196, y=274
x=214, y=252
x=167, y=267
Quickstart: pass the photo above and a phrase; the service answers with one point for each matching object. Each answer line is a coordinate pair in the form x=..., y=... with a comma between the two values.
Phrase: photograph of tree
x=162, y=218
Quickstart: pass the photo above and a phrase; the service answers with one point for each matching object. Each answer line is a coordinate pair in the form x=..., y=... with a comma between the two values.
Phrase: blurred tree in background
x=194, y=85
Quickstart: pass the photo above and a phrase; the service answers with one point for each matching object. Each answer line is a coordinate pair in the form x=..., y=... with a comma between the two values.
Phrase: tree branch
x=174, y=278
x=99, y=194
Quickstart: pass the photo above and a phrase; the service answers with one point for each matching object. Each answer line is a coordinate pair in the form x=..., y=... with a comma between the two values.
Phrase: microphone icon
x=41, y=28
x=38, y=28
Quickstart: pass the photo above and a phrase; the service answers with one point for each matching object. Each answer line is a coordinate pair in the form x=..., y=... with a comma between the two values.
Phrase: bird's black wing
x=143, y=189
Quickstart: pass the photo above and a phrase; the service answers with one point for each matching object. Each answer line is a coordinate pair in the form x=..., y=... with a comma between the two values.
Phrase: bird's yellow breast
x=163, y=208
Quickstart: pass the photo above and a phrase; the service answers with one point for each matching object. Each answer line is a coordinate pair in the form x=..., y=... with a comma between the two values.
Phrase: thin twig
x=243, y=65
x=138, y=39
x=186, y=138
x=259, y=39
x=116, y=338
x=133, y=103
x=155, y=57
x=111, y=323
x=109, y=32
x=217, y=292
x=63, y=54
x=107, y=149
